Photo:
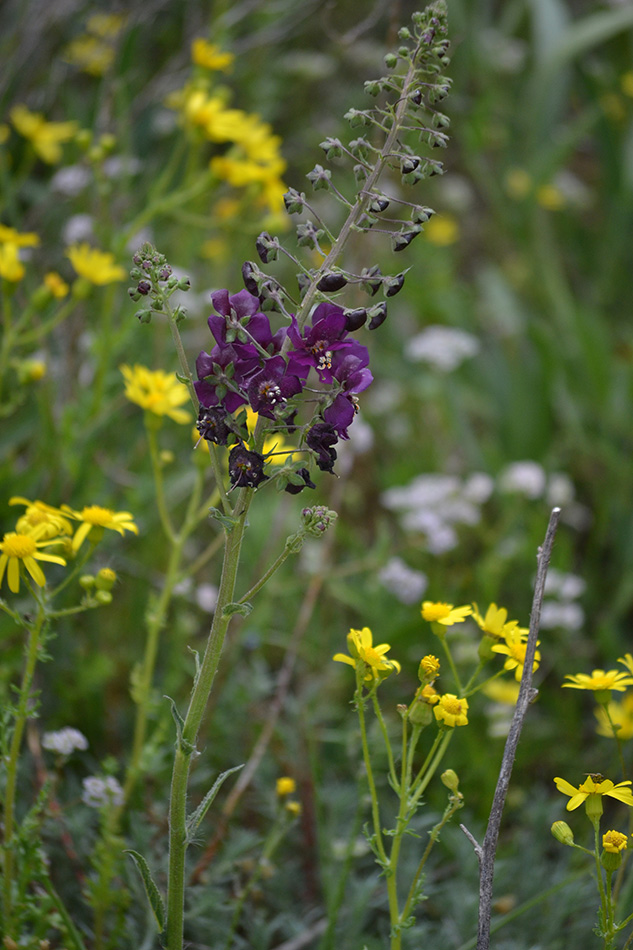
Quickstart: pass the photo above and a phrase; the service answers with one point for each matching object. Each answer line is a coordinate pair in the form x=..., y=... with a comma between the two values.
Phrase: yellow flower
x=11, y=267
x=91, y=54
x=273, y=441
x=594, y=786
x=11, y=236
x=370, y=658
x=210, y=56
x=429, y=667
x=5, y=132
x=157, y=391
x=93, y=516
x=495, y=623
x=627, y=660
x=58, y=287
x=18, y=548
x=106, y=25
x=518, y=183
x=620, y=714
x=550, y=197
x=293, y=808
x=514, y=648
x=600, y=680
x=626, y=83
x=444, y=613
x=45, y=137
x=614, y=842
x=96, y=266
x=451, y=711
x=502, y=691
x=39, y=517
x=442, y=230
x=285, y=786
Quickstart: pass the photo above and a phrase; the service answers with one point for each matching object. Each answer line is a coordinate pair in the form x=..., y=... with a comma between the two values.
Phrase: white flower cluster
x=99, y=792
x=433, y=505
x=64, y=741
x=560, y=608
x=443, y=348
x=403, y=581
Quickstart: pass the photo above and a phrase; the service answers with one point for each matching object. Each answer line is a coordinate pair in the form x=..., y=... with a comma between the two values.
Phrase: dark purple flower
x=271, y=386
x=212, y=424
x=239, y=320
x=303, y=473
x=319, y=341
x=321, y=438
x=350, y=370
x=222, y=374
x=246, y=469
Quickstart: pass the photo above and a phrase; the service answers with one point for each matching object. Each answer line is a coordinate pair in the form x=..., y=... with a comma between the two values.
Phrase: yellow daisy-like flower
x=451, y=711
x=11, y=267
x=550, y=197
x=273, y=441
x=293, y=808
x=627, y=660
x=24, y=549
x=91, y=54
x=210, y=56
x=57, y=286
x=514, y=648
x=24, y=239
x=594, y=786
x=429, y=667
x=600, y=680
x=495, y=623
x=285, y=786
x=372, y=658
x=157, y=391
x=442, y=230
x=502, y=691
x=444, y=613
x=39, y=517
x=614, y=842
x=96, y=266
x=45, y=137
x=95, y=517
x=618, y=713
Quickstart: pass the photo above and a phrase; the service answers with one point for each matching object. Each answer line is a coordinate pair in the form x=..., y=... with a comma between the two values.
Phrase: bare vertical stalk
x=486, y=852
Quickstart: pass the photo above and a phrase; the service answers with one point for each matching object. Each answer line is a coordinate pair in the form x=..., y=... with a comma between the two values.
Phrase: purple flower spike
x=269, y=388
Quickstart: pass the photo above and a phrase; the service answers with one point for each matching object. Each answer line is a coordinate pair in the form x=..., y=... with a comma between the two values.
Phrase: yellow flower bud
x=450, y=779
x=562, y=832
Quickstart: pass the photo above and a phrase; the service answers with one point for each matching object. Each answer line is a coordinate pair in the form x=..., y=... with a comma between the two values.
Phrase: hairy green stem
x=21, y=715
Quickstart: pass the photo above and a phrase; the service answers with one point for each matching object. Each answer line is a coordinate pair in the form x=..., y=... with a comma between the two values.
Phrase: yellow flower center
x=370, y=656
x=96, y=515
x=436, y=611
x=18, y=545
x=452, y=705
x=430, y=664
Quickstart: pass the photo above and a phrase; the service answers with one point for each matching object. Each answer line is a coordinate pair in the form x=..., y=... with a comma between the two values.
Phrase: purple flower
x=319, y=342
x=321, y=438
x=239, y=320
x=246, y=469
x=212, y=424
x=221, y=375
x=271, y=386
x=351, y=371
x=303, y=473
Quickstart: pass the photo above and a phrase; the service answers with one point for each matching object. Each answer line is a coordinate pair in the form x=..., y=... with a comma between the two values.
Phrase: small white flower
x=569, y=616
x=118, y=165
x=478, y=488
x=79, y=227
x=71, y=180
x=560, y=489
x=101, y=791
x=64, y=741
x=206, y=596
x=526, y=478
x=444, y=348
x=565, y=586
x=404, y=583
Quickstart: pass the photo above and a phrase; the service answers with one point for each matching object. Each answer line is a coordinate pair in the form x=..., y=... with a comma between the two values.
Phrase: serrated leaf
x=153, y=894
x=196, y=817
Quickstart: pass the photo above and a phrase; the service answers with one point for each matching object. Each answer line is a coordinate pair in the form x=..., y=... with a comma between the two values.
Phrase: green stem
x=21, y=716
x=285, y=554
x=451, y=663
x=159, y=487
x=383, y=729
x=186, y=744
x=375, y=813
x=425, y=779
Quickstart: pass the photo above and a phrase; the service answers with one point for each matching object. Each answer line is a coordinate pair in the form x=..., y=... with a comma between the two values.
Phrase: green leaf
x=196, y=817
x=153, y=894
x=242, y=609
x=228, y=522
x=182, y=744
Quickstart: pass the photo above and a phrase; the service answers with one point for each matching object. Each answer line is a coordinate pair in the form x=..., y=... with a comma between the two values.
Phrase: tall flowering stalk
x=303, y=379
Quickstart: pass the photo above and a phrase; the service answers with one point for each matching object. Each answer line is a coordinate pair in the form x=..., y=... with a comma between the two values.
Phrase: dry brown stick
x=486, y=852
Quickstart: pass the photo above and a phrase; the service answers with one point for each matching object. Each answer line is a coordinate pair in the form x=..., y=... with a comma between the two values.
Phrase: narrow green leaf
x=153, y=894
x=196, y=817
x=242, y=609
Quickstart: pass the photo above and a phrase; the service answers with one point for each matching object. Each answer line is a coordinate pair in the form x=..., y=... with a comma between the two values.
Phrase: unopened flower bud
x=450, y=779
x=331, y=282
x=103, y=597
x=105, y=579
x=562, y=832
x=144, y=287
x=87, y=581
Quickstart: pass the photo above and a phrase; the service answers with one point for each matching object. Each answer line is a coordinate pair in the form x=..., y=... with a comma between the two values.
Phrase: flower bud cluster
x=154, y=281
